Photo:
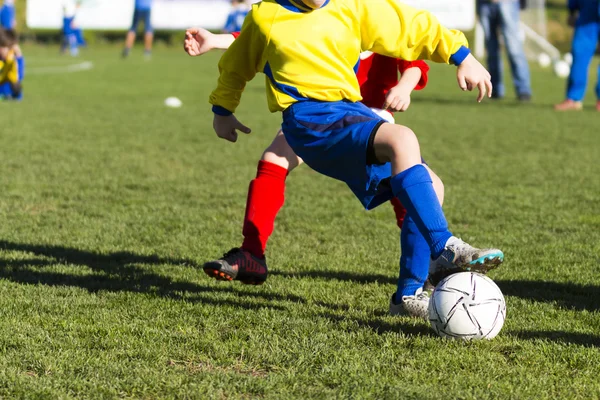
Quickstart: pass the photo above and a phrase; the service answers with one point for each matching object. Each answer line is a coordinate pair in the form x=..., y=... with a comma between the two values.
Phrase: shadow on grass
x=338, y=275
x=381, y=327
x=567, y=295
x=581, y=339
x=118, y=272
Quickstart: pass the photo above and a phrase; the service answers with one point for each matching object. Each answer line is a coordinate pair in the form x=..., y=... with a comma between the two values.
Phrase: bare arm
x=398, y=98
x=199, y=41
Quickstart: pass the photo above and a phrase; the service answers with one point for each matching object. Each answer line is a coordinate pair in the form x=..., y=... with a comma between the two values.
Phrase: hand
x=471, y=74
x=397, y=99
x=198, y=41
x=226, y=127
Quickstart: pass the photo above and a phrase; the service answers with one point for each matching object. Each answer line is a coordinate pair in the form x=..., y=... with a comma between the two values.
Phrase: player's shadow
x=124, y=272
x=340, y=276
x=581, y=339
x=567, y=295
x=381, y=327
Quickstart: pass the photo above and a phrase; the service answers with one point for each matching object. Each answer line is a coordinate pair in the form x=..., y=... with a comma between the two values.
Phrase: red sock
x=399, y=210
x=265, y=199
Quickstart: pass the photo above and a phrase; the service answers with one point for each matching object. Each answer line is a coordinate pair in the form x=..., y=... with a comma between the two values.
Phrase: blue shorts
x=144, y=16
x=333, y=139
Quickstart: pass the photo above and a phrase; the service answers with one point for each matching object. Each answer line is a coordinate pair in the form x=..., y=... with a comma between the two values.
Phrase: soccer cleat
x=414, y=306
x=238, y=265
x=569, y=105
x=459, y=256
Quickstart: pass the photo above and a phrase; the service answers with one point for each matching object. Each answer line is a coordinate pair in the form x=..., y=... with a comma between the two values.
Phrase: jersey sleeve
x=238, y=65
x=403, y=65
x=397, y=30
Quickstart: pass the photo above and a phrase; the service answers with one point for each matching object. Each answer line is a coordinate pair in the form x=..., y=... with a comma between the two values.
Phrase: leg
x=411, y=182
x=509, y=22
x=488, y=16
x=409, y=298
x=148, y=33
x=130, y=37
x=266, y=194
x=265, y=199
x=585, y=40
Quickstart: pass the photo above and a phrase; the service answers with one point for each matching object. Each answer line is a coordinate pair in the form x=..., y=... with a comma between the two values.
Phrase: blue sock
x=21, y=67
x=413, y=187
x=414, y=261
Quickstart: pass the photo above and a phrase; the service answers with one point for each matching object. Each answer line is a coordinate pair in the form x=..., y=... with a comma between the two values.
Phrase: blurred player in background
x=12, y=66
x=141, y=13
x=72, y=35
x=8, y=18
x=235, y=19
x=584, y=15
x=384, y=93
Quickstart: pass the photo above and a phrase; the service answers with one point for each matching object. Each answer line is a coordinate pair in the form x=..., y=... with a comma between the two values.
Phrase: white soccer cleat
x=413, y=306
x=459, y=256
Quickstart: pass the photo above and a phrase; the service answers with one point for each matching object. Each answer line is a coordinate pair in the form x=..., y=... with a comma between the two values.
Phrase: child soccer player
x=12, y=66
x=72, y=35
x=379, y=84
x=142, y=13
x=307, y=50
x=584, y=15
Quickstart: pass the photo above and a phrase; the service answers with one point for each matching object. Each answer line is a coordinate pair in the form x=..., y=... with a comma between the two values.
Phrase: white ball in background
x=562, y=69
x=568, y=58
x=173, y=102
x=544, y=60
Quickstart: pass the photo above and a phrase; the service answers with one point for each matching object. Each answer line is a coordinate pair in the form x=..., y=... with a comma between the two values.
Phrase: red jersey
x=377, y=74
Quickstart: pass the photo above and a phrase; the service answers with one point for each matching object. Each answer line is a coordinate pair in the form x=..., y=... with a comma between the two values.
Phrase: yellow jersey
x=9, y=70
x=313, y=54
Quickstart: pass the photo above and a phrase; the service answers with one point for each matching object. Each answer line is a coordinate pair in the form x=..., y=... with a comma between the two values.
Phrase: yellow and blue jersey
x=313, y=54
x=9, y=69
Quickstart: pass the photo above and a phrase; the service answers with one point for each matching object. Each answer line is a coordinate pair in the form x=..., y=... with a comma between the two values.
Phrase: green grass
x=110, y=202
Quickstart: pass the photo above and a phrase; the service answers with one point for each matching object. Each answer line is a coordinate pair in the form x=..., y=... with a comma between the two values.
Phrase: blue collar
x=297, y=5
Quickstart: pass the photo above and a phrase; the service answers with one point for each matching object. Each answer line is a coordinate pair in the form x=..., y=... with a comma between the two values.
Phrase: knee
x=280, y=153
x=395, y=140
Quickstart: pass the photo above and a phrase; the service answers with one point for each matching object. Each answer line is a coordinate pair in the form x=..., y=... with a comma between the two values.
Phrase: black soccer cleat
x=238, y=265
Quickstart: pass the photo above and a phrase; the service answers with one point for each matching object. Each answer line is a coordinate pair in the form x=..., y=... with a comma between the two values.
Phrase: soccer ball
x=467, y=306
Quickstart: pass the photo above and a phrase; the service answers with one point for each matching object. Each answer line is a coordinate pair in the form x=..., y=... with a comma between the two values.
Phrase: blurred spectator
x=72, y=34
x=502, y=17
x=584, y=15
x=12, y=66
x=235, y=19
x=8, y=15
x=142, y=12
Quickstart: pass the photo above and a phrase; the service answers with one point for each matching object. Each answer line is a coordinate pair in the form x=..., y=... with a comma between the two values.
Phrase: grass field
x=110, y=202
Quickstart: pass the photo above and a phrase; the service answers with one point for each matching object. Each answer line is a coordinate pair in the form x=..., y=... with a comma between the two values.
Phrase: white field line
x=60, y=69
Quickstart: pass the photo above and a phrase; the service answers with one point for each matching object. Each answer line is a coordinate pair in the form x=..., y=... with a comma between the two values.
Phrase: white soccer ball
x=173, y=102
x=467, y=306
x=568, y=58
x=544, y=60
x=562, y=69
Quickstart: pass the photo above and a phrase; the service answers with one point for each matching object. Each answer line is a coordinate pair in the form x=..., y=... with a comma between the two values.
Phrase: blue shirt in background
x=143, y=4
x=235, y=19
x=7, y=16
